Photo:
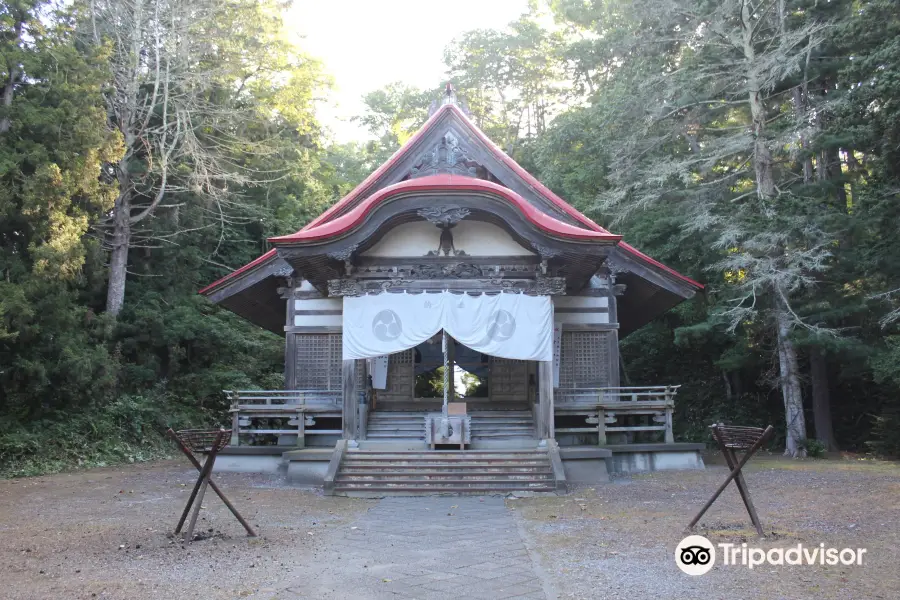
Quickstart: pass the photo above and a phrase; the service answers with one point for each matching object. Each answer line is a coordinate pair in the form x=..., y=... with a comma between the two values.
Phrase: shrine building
x=453, y=326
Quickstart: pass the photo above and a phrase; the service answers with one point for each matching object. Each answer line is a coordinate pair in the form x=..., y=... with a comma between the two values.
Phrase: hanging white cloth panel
x=379, y=371
x=557, y=352
x=504, y=325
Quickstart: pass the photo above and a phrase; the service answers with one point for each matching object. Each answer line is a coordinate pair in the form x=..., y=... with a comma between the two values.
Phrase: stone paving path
x=425, y=548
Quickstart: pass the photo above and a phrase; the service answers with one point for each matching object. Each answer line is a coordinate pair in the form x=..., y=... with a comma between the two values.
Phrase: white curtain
x=506, y=325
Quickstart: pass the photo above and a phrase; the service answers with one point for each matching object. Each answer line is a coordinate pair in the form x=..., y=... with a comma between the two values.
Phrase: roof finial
x=449, y=94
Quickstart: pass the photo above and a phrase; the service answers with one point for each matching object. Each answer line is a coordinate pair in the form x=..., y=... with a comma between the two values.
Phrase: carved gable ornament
x=445, y=218
x=447, y=156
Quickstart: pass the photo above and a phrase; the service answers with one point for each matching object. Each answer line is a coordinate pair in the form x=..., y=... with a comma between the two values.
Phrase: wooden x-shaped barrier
x=729, y=439
x=211, y=442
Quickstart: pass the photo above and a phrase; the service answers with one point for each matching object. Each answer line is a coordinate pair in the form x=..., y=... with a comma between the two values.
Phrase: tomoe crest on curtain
x=386, y=325
x=501, y=326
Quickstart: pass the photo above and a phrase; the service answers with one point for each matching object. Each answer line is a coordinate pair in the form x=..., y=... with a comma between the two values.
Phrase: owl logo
x=501, y=326
x=386, y=326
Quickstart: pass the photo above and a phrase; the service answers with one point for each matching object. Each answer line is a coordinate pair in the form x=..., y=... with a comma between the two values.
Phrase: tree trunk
x=800, y=116
x=856, y=173
x=790, y=381
x=729, y=390
x=821, y=399
x=13, y=70
x=118, y=257
x=762, y=157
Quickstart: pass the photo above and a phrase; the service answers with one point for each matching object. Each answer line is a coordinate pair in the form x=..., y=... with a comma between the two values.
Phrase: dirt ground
x=105, y=533
x=618, y=540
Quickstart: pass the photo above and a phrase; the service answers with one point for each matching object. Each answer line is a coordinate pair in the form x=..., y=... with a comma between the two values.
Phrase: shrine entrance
x=414, y=379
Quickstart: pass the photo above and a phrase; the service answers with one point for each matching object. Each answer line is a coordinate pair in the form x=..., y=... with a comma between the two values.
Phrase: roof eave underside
x=252, y=293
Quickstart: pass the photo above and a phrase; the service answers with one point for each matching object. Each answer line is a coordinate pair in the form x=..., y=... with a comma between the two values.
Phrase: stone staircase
x=396, y=426
x=368, y=473
x=487, y=426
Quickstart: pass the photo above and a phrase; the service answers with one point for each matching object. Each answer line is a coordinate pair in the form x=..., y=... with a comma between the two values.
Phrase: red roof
x=268, y=255
x=340, y=222
x=444, y=182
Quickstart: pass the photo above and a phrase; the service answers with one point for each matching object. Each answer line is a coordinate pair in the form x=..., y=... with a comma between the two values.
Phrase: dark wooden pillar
x=613, y=364
x=615, y=360
x=545, y=418
x=351, y=401
x=290, y=340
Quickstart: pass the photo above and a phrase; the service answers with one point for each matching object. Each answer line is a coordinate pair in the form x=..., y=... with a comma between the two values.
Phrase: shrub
x=814, y=448
x=130, y=428
x=886, y=433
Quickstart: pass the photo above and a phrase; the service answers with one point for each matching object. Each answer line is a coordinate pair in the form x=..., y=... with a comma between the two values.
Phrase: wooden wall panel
x=400, y=378
x=508, y=380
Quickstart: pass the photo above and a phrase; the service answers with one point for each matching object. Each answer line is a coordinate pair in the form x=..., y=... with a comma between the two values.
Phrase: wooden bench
x=299, y=407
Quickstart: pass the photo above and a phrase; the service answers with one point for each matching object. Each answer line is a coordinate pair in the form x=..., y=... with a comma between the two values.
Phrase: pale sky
x=365, y=45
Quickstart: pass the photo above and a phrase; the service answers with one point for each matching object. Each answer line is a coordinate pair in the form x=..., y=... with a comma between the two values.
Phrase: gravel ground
x=105, y=533
x=617, y=541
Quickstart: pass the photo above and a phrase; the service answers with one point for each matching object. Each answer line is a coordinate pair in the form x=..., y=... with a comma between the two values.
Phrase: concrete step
x=388, y=466
x=495, y=428
x=498, y=414
x=396, y=427
x=470, y=456
x=540, y=473
x=484, y=414
x=475, y=420
x=444, y=471
x=391, y=476
x=397, y=416
x=498, y=484
x=474, y=490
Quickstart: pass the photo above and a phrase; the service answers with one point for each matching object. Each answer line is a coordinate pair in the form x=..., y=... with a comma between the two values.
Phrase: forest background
x=148, y=147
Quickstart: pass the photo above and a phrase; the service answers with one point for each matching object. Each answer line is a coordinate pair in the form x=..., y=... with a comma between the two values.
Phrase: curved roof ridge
x=442, y=182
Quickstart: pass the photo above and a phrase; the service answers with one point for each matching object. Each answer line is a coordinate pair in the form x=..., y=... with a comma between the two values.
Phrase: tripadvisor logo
x=696, y=555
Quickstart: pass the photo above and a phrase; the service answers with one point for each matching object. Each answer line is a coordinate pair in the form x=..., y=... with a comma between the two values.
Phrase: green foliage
x=475, y=386
x=886, y=433
x=814, y=448
x=393, y=114
x=634, y=112
x=509, y=79
x=78, y=388
x=430, y=384
x=130, y=428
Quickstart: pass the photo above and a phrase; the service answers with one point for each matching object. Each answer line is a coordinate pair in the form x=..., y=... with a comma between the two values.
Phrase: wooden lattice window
x=584, y=360
x=318, y=361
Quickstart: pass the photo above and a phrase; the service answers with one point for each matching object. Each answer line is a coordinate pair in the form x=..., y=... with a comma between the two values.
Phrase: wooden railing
x=603, y=407
x=281, y=412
